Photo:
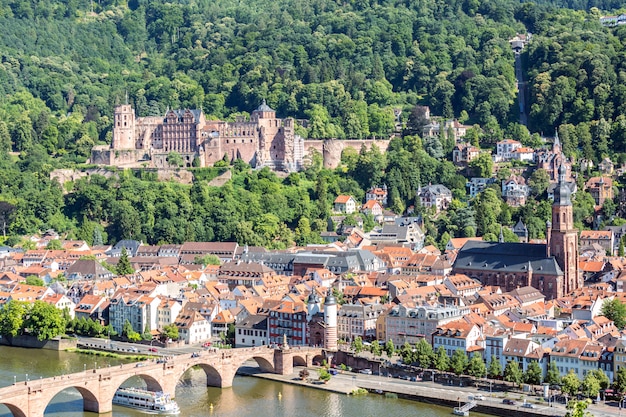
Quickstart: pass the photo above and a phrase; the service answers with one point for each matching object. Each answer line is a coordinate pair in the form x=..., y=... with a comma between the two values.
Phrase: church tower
x=123, y=127
x=563, y=239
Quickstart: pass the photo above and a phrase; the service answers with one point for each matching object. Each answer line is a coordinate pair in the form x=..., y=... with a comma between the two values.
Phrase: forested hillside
x=345, y=66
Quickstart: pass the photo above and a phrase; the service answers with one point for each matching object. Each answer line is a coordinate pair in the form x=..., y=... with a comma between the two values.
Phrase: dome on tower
x=265, y=108
x=331, y=300
x=313, y=298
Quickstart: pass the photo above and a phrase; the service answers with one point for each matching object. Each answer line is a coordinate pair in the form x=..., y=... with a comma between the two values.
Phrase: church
x=552, y=268
x=262, y=140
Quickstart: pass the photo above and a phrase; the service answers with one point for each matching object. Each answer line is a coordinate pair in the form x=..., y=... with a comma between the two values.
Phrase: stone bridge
x=97, y=386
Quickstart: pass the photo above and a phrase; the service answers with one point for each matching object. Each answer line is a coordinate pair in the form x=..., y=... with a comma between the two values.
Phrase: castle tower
x=123, y=127
x=330, y=318
x=563, y=240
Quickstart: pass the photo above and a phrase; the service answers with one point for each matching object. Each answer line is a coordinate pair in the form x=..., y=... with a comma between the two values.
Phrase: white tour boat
x=149, y=401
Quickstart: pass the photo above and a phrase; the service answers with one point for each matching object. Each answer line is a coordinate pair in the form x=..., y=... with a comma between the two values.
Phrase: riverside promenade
x=433, y=393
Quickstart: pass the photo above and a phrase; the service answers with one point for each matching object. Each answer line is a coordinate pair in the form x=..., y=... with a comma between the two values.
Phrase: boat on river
x=144, y=400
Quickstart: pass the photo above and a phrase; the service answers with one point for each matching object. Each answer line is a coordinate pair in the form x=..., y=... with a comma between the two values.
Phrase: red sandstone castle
x=263, y=140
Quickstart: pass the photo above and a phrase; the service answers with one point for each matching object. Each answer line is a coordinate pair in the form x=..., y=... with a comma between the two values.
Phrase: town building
x=602, y=238
x=140, y=310
x=477, y=185
x=345, y=204
x=377, y=194
x=600, y=188
x=192, y=327
x=410, y=325
x=251, y=331
x=464, y=153
x=458, y=335
x=437, y=196
x=505, y=149
x=288, y=319
x=356, y=320
x=515, y=191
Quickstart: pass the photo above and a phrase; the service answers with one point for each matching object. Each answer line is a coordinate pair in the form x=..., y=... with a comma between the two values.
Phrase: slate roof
x=512, y=257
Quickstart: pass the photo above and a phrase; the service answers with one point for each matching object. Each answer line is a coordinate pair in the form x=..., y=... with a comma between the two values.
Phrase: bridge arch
x=152, y=384
x=213, y=377
x=16, y=411
x=266, y=364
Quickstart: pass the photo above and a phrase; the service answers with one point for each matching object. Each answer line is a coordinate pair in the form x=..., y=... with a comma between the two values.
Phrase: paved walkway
x=347, y=382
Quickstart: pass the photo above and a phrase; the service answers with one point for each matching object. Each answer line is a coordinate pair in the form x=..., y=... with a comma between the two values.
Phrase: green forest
x=344, y=66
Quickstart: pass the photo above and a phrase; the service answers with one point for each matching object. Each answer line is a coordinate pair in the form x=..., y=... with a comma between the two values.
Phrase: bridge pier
x=283, y=362
x=96, y=407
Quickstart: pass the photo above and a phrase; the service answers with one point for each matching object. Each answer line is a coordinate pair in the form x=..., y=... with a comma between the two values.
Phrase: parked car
x=366, y=371
x=333, y=371
x=507, y=401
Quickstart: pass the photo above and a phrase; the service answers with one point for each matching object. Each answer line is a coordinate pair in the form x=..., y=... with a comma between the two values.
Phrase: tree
x=6, y=209
x=12, y=318
x=577, y=409
x=174, y=159
x=323, y=374
x=35, y=281
x=553, y=376
x=539, y=181
x=123, y=266
x=442, y=361
x=129, y=333
x=590, y=385
x=45, y=321
x=602, y=378
x=513, y=373
x=533, y=374
x=375, y=348
x=97, y=237
x=615, y=310
x=406, y=351
x=304, y=374
x=619, y=381
x=459, y=361
x=495, y=369
x=418, y=118
x=570, y=383
x=389, y=348
x=476, y=366
x=208, y=259
x=357, y=344
x=482, y=166
x=170, y=332
x=424, y=353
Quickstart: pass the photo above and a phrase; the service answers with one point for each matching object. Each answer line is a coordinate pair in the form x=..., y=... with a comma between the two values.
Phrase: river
x=249, y=396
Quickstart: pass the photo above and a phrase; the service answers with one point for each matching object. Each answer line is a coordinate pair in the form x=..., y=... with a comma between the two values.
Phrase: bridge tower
x=330, y=318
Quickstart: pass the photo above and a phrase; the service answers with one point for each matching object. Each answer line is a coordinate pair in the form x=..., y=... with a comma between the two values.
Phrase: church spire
x=556, y=146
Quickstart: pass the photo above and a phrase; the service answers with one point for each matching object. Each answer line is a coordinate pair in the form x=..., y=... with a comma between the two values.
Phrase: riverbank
x=422, y=392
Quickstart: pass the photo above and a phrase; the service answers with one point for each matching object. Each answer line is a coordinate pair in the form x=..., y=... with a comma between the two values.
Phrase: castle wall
x=331, y=148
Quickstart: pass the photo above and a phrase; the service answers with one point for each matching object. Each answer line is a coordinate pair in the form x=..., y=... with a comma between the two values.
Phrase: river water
x=249, y=396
